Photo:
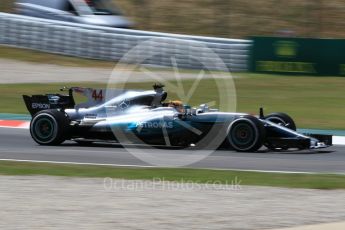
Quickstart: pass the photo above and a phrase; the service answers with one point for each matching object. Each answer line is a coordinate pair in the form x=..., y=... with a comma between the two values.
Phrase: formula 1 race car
x=142, y=117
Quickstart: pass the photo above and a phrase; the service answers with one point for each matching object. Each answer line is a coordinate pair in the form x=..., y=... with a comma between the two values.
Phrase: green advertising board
x=298, y=56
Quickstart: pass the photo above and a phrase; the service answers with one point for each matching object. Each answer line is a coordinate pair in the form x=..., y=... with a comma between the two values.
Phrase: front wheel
x=281, y=119
x=246, y=134
x=49, y=127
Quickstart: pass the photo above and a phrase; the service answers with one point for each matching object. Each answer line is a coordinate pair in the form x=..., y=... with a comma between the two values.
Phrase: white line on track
x=151, y=166
x=338, y=140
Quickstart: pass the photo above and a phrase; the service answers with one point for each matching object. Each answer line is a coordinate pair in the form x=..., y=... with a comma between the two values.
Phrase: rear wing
x=37, y=103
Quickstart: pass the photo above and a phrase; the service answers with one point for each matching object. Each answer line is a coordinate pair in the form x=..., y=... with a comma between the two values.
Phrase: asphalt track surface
x=17, y=144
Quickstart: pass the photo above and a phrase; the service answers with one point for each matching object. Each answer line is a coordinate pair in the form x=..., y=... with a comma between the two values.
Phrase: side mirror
x=261, y=113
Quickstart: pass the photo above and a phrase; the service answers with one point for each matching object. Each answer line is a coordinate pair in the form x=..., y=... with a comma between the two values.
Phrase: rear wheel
x=281, y=119
x=246, y=134
x=49, y=127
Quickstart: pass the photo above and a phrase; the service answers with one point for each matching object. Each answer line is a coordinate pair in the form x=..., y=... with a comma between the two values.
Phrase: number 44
x=97, y=95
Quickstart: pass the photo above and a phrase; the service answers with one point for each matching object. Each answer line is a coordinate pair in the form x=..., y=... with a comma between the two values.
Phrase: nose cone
x=107, y=20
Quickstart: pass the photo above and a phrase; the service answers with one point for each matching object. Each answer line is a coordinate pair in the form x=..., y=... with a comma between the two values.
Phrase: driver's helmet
x=178, y=105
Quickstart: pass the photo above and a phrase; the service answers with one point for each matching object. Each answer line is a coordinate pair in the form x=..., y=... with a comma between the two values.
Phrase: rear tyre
x=281, y=119
x=49, y=127
x=246, y=134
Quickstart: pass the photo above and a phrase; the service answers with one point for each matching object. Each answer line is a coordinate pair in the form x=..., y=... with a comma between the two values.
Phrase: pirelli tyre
x=49, y=127
x=246, y=134
x=282, y=119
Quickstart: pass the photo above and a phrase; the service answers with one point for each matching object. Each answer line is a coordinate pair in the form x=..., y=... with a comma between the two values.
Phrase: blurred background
x=234, y=18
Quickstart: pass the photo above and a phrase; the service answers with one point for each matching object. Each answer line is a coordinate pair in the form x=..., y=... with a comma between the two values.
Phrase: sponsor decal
x=91, y=116
x=154, y=125
x=40, y=106
x=288, y=67
x=124, y=105
x=286, y=49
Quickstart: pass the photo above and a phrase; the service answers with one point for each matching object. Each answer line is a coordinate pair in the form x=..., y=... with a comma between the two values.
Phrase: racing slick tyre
x=246, y=134
x=281, y=119
x=49, y=127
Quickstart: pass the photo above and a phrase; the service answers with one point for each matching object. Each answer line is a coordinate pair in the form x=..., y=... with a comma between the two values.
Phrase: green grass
x=314, y=102
x=313, y=181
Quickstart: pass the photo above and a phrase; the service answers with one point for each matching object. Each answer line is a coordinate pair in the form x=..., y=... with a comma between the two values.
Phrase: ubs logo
x=286, y=49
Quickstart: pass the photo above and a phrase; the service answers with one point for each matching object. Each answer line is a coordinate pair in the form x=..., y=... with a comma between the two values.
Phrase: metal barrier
x=106, y=43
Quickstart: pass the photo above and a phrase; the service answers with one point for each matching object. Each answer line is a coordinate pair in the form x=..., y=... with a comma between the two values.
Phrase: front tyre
x=246, y=134
x=281, y=119
x=49, y=127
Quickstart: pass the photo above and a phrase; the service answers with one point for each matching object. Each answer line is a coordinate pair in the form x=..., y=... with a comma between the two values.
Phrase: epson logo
x=40, y=106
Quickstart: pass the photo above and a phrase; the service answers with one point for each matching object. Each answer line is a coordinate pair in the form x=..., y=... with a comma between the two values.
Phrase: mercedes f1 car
x=143, y=117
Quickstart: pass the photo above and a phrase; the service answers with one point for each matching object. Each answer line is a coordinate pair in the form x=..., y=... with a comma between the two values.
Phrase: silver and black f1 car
x=142, y=117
